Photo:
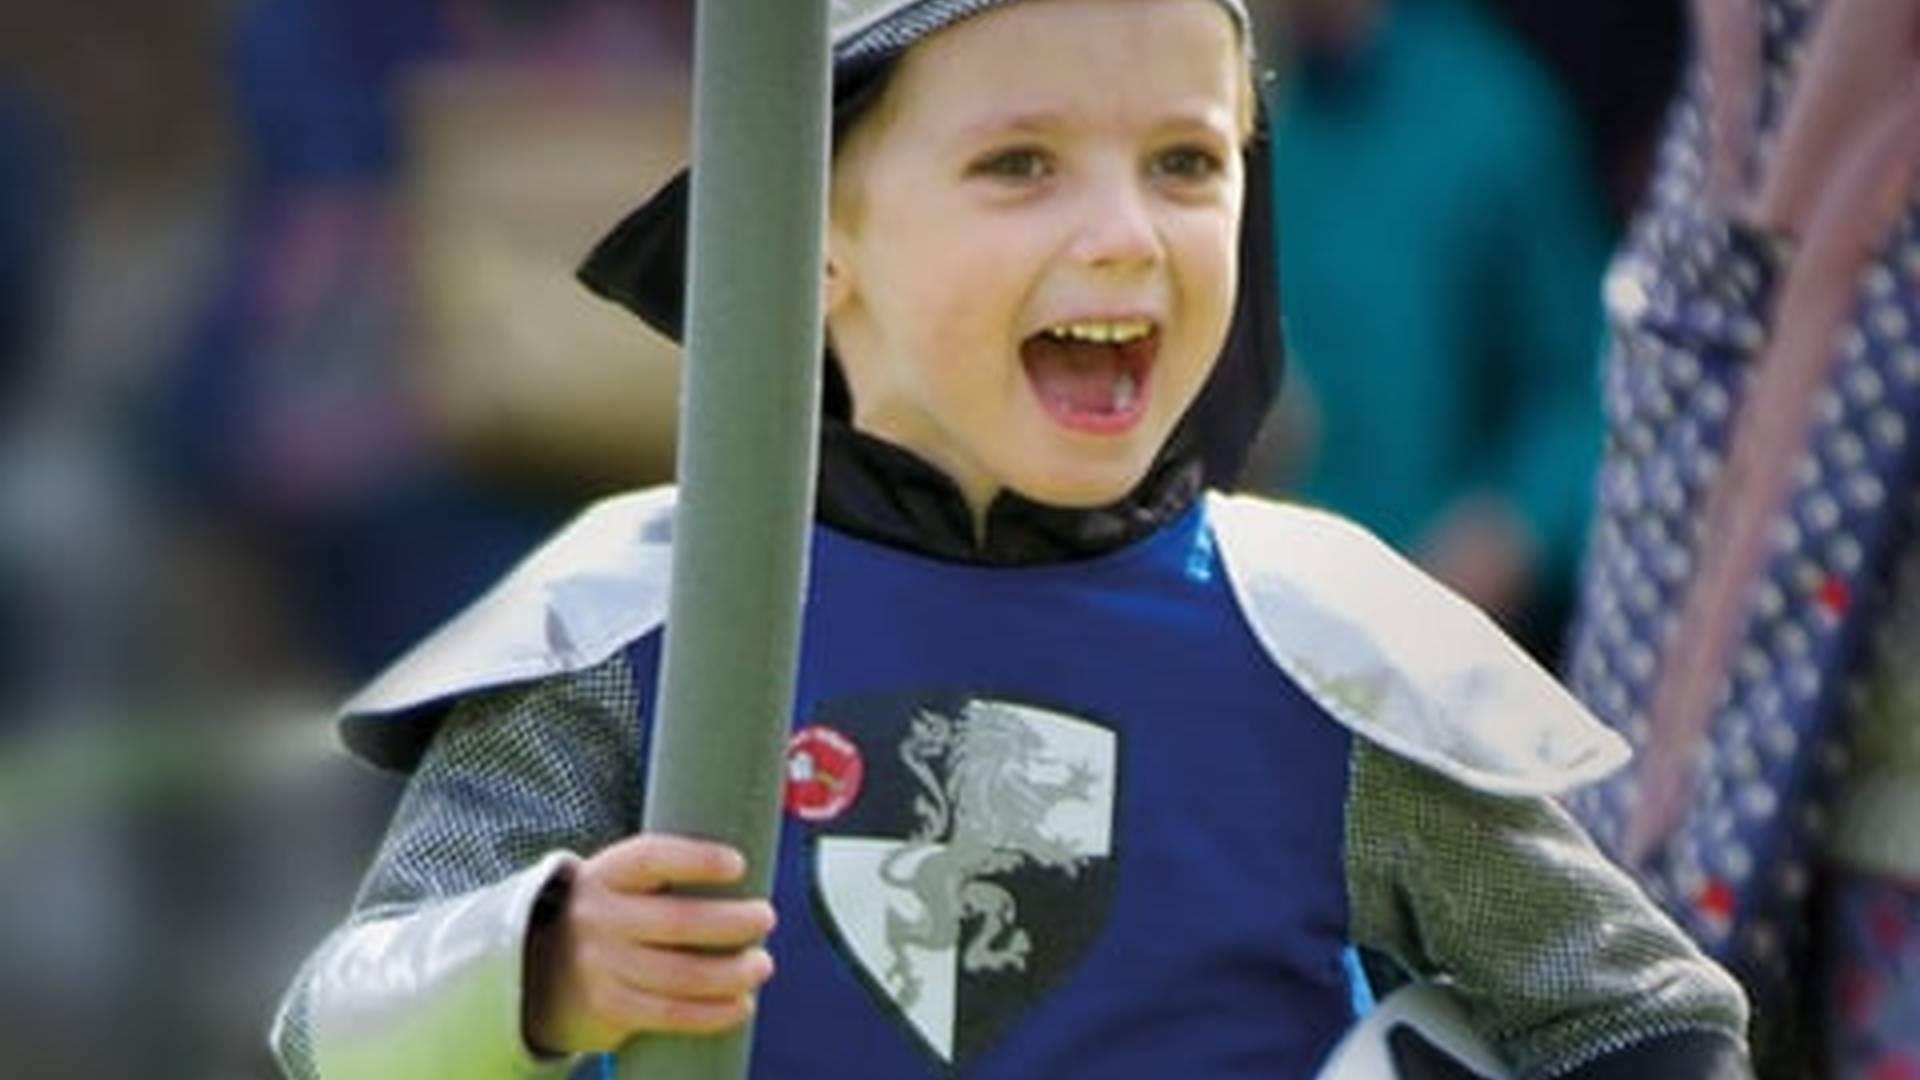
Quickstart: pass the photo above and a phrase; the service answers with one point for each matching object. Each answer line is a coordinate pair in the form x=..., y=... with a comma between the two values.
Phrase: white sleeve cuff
x=436, y=992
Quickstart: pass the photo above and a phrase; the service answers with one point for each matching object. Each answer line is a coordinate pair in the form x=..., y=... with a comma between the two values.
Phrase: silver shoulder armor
x=1401, y=660
x=598, y=585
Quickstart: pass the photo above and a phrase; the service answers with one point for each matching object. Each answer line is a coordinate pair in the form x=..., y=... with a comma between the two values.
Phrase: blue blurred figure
x=28, y=211
x=25, y=211
x=295, y=413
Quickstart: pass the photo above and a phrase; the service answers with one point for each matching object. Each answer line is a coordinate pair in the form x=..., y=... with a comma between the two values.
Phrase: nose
x=1117, y=228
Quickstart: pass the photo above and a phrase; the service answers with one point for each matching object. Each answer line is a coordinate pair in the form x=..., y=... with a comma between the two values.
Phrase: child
x=1092, y=774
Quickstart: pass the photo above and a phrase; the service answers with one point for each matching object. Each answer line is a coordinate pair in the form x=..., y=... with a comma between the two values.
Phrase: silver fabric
x=434, y=993
x=514, y=779
x=582, y=596
x=1401, y=660
x=1557, y=955
x=1384, y=649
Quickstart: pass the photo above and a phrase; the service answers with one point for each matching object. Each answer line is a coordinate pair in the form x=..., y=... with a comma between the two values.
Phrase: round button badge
x=824, y=771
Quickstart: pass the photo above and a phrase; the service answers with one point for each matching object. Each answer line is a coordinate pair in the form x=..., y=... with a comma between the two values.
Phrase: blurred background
x=291, y=365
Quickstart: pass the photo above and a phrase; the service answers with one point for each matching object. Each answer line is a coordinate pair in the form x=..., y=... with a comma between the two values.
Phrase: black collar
x=879, y=492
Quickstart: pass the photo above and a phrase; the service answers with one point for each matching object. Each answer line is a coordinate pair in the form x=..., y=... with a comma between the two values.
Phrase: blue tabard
x=1062, y=820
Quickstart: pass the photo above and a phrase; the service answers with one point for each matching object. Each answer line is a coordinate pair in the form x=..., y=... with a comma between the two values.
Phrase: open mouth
x=1091, y=374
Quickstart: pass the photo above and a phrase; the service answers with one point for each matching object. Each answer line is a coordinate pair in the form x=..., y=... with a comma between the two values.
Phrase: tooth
x=1124, y=389
x=1101, y=333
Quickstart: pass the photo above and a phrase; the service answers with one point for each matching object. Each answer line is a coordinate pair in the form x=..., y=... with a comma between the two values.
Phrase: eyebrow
x=1207, y=118
x=1003, y=123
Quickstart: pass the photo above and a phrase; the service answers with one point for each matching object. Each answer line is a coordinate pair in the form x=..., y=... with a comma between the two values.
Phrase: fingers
x=618, y=895
x=622, y=990
x=610, y=1000
x=650, y=862
x=687, y=922
x=617, y=1007
x=618, y=964
x=709, y=977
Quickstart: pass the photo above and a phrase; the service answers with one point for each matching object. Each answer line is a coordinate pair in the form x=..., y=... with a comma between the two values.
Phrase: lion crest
x=974, y=868
x=986, y=788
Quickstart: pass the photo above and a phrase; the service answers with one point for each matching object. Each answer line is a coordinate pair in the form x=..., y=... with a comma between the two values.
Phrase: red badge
x=823, y=773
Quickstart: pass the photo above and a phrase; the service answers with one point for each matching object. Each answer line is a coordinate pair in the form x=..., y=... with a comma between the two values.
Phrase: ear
x=837, y=285
x=833, y=288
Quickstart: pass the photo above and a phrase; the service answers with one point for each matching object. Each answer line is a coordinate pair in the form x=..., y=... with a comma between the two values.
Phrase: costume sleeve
x=1562, y=964
x=424, y=979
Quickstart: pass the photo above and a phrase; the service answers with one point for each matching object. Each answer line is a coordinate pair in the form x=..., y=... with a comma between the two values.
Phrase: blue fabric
x=1360, y=990
x=1207, y=940
x=315, y=83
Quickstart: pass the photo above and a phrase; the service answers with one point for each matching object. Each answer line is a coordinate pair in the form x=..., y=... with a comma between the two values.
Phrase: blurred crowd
x=292, y=364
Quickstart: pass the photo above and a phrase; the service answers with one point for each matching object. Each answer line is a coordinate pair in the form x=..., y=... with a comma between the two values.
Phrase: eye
x=1188, y=163
x=1015, y=163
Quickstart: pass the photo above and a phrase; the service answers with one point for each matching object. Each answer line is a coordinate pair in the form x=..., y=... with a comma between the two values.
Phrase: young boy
x=1092, y=774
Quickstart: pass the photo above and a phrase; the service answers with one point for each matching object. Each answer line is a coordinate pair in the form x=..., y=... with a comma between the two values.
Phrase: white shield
x=1006, y=802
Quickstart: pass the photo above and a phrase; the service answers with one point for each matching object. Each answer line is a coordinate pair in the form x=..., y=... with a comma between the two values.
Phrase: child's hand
x=625, y=957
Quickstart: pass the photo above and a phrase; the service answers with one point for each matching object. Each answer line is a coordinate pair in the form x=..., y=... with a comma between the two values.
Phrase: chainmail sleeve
x=1556, y=954
x=514, y=784
x=511, y=776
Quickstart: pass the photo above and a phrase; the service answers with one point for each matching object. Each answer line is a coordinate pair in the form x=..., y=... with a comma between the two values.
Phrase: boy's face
x=1032, y=249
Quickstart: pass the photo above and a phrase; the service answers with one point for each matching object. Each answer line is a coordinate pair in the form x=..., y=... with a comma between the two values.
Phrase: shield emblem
x=974, y=870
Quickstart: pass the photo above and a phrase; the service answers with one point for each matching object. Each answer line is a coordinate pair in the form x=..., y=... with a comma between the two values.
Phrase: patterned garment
x=1873, y=1016
x=1688, y=299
